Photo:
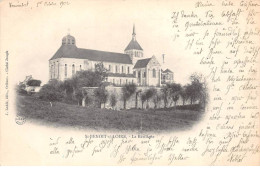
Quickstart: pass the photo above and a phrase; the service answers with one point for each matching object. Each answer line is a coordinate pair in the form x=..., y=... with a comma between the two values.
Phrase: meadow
x=59, y=114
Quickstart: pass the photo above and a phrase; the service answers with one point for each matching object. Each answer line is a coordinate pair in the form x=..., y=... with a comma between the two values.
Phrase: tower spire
x=133, y=34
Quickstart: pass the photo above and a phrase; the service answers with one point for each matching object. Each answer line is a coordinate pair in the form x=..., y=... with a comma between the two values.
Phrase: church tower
x=133, y=49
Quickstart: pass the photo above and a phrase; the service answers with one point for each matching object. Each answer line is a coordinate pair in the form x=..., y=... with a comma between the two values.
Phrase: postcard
x=130, y=83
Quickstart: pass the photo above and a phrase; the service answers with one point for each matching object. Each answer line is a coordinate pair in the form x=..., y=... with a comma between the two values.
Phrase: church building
x=123, y=68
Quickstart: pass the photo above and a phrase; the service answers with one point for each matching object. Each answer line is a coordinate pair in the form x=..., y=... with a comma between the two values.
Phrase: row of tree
x=73, y=90
x=196, y=91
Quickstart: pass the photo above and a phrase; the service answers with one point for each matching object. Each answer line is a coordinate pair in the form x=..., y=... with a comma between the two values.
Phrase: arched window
x=73, y=69
x=66, y=71
x=154, y=73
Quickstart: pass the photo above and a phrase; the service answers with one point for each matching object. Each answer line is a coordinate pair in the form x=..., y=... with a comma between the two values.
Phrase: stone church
x=123, y=68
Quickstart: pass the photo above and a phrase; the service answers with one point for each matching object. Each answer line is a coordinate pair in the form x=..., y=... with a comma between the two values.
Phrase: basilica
x=123, y=68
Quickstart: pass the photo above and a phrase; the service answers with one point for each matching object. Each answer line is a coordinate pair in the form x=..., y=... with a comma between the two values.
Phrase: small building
x=167, y=76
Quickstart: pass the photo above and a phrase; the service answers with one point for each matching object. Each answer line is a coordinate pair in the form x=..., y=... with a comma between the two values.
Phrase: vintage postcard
x=130, y=82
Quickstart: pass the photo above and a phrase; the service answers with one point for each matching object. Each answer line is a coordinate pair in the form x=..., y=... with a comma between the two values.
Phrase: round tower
x=68, y=40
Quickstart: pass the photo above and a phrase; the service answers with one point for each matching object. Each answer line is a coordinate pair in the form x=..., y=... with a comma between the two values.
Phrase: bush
x=50, y=92
x=34, y=83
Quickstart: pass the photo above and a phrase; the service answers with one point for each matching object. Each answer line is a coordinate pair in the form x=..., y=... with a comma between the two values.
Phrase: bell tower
x=133, y=49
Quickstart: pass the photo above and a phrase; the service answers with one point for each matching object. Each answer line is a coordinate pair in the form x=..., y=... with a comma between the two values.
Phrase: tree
x=156, y=99
x=149, y=94
x=101, y=71
x=136, y=97
x=73, y=87
x=174, y=92
x=184, y=95
x=197, y=90
x=128, y=90
x=175, y=98
x=113, y=101
x=51, y=92
x=101, y=95
x=143, y=99
x=165, y=94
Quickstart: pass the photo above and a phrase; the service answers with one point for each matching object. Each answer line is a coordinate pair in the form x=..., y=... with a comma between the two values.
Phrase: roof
x=120, y=75
x=142, y=63
x=133, y=45
x=167, y=71
x=71, y=51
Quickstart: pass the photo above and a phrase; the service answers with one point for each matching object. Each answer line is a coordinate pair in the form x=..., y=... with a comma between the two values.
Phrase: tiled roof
x=142, y=63
x=120, y=75
x=71, y=51
x=167, y=71
x=133, y=45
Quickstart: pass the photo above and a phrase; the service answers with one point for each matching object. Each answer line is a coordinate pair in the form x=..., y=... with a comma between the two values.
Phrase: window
x=66, y=70
x=68, y=41
x=128, y=70
x=126, y=81
x=120, y=81
x=54, y=71
x=73, y=41
x=58, y=68
x=154, y=73
x=139, y=74
x=134, y=73
x=73, y=69
x=110, y=68
x=132, y=81
x=51, y=71
x=122, y=69
x=116, y=69
x=113, y=81
x=80, y=67
x=144, y=75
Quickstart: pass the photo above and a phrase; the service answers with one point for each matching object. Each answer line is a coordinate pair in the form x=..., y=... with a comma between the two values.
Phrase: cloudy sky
x=32, y=35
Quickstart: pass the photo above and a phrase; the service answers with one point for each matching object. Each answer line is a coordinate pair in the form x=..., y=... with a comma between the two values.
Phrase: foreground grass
x=61, y=114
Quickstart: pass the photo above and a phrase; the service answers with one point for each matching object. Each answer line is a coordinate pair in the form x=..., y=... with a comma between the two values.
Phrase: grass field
x=61, y=114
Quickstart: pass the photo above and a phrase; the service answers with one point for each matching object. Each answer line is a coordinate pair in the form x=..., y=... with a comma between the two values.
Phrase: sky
x=32, y=35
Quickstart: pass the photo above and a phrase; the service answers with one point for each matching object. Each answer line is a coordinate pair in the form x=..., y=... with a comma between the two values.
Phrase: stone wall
x=91, y=100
